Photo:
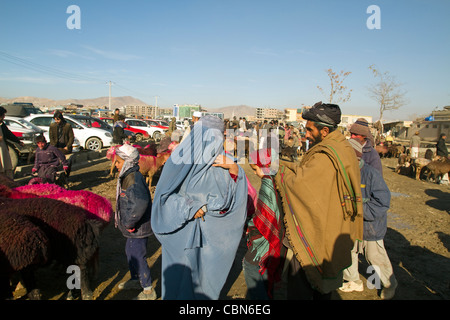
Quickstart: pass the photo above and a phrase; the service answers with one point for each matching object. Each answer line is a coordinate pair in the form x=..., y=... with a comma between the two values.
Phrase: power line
x=63, y=74
x=45, y=69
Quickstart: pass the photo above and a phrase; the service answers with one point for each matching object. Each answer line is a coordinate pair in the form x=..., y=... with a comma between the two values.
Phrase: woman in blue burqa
x=198, y=214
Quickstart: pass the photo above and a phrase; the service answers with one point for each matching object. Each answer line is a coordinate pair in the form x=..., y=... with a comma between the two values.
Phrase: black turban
x=329, y=114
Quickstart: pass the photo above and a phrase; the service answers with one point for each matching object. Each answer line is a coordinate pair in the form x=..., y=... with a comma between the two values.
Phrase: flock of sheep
x=45, y=223
x=42, y=223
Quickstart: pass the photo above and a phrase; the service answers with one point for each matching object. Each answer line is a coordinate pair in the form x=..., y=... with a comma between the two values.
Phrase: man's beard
x=317, y=139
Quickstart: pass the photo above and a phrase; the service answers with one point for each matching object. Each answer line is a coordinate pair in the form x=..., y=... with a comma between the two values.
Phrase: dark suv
x=21, y=109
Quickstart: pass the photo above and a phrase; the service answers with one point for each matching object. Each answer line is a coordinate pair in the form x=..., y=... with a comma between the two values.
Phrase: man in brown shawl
x=323, y=207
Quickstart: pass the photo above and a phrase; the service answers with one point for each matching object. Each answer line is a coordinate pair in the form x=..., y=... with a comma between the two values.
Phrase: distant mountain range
x=229, y=111
x=100, y=102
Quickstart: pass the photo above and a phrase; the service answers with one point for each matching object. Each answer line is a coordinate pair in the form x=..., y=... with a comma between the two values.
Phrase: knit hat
x=329, y=114
x=128, y=153
x=357, y=146
x=361, y=127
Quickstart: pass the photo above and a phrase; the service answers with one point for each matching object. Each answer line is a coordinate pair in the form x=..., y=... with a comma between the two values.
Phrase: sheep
x=97, y=207
x=4, y=180
x=23, y=247
x=404, y=165
x=419, y=164
x=395, y=150
x=382, y=150
x=149, y=150
x=74, y=238
x=438, y=168
x=148, y=164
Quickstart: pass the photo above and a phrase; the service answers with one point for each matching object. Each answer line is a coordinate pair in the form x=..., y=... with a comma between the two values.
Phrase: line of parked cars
x=27, y=122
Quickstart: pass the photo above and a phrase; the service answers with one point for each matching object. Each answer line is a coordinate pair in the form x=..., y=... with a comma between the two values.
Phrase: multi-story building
x=269, y=113
x=144, y=111
x=185, y=111
x=290, y=115
x=165, y=113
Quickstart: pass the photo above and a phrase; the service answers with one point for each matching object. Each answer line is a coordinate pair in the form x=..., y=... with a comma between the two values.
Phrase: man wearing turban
x=322, y=206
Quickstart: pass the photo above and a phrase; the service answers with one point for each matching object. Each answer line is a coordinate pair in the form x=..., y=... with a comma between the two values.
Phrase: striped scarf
x=265, y=231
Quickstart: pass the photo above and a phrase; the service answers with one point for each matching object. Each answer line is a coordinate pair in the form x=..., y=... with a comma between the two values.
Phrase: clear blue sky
x=219, y=53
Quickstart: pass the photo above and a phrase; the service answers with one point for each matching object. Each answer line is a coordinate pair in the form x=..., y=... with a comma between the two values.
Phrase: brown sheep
x=382, y=150
x=23, y=247
x=74, y=239
x=438, y=168
x=149, y=164
x=404, y=165
x=419, y=165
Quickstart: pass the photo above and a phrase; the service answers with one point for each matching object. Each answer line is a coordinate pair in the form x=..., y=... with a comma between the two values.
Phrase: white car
x=89, y=137
x=156, y=132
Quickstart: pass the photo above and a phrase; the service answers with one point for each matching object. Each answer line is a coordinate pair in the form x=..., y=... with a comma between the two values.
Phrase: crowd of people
x=304, y=227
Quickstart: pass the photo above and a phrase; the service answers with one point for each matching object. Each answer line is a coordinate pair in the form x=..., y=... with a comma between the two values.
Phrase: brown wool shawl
x=323, y=209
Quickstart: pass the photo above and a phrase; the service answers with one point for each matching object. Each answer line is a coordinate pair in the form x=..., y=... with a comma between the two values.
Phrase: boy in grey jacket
x=133, y=209
x=376, y=203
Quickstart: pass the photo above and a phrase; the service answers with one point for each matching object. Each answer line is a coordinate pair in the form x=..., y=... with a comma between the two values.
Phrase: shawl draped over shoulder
x=197, y=255
x=323, y=209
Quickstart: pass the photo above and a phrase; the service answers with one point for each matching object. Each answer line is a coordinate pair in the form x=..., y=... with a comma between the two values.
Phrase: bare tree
x=338, y=92
x=387, y=92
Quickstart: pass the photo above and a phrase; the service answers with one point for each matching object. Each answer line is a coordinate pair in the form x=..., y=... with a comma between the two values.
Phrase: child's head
x=119, y=163
x=41, y=142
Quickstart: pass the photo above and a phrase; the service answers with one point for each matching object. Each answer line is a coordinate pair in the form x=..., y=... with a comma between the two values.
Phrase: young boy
x=47, y=160
x=376, y=203
x=133, y=209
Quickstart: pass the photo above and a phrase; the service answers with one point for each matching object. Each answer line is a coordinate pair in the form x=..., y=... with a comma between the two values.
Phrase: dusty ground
x=417, y=242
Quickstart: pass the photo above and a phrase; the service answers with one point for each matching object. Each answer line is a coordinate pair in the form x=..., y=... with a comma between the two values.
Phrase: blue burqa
x=197, y=255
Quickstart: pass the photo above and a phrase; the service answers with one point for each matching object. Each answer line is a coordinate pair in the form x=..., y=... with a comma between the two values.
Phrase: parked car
x=89, y=137
x=163, y=123
x=139, y=134
x=27, y=133
x=21, y=109
x=156, y=132
x=180, y=125
x=162, y=128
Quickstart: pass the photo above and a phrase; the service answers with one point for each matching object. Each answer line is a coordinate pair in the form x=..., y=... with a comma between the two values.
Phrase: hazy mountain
x=229, y=111
x=100, y=102
x=238, y=111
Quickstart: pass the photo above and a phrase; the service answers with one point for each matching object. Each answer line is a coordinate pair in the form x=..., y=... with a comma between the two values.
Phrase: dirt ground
x=417, y=241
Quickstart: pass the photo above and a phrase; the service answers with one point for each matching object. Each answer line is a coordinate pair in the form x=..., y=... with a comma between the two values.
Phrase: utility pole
x=156, y=106
x=109, y=105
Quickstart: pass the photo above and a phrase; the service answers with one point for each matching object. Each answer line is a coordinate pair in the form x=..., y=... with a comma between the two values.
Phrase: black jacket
x=441, y=148
x=7, y=134
x=66, y=133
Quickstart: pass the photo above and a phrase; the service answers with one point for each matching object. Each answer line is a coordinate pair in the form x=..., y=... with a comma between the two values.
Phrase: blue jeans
x=256, y=282
x=136, y=251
